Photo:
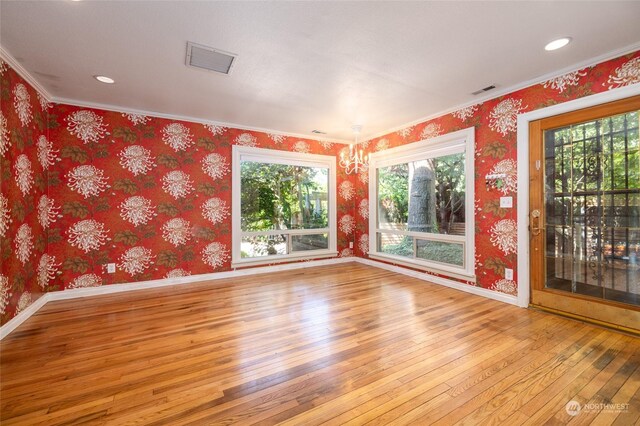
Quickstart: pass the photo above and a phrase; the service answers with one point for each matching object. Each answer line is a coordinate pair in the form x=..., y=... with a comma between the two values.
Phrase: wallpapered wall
x=149, y=194
x=82, y=187
x=495, y=152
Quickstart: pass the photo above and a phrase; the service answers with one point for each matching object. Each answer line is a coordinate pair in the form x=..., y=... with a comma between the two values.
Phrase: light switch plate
x=508, y=274
x=111, y=268
x=506, y=202
x=351, y=244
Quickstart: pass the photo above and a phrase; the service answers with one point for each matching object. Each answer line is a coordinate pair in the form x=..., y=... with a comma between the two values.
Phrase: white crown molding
x=8, y=58
x=14, y=322
x=116, y=108
x=514, y=88
x=13, y=63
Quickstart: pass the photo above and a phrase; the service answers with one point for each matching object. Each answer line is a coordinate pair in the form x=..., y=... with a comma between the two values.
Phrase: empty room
x=319, y=212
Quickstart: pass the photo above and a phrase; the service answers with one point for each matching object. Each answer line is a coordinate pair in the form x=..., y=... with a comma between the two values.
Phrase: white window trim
x=262, y=155
x=451, y=143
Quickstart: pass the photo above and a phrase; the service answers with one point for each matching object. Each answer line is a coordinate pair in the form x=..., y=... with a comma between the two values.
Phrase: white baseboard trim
x=14, y=322
x=478, y=291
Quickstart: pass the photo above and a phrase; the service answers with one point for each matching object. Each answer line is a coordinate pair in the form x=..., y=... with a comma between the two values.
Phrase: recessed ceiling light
x=104, y=79
x=557, y=44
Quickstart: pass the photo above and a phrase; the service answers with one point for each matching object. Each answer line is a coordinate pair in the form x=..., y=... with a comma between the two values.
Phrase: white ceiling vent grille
x=210, y=59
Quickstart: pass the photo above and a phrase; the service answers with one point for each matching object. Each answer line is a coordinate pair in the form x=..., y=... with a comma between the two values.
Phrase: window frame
x=271, y=156
x=462, y=141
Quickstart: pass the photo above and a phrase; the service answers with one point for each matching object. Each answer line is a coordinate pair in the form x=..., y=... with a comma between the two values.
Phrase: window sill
x=422, y=267
x=245, y=263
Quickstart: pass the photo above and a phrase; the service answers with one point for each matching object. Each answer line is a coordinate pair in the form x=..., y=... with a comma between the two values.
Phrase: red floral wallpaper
x=23, y=191
x=495, y=124
x=149, y=194
x=83, y=187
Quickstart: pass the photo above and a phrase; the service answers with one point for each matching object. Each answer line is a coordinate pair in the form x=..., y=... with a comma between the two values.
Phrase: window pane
x=309, y=242
x=441, y=251
x=279, y=196
x=263, y=245
x=399, y=245
x=423, y=196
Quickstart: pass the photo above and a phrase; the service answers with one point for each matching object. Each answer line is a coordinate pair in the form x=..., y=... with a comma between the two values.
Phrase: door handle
x=535, y=223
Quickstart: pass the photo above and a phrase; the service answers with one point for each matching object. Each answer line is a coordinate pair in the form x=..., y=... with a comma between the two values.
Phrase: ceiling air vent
x=210, y=59
x=318, y=132
x=485, y=89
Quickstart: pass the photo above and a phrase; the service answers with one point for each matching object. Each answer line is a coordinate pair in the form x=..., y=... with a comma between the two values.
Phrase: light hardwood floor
x=345, y=344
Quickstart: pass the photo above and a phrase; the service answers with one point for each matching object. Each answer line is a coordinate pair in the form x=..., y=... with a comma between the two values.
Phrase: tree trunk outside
x=422, y=200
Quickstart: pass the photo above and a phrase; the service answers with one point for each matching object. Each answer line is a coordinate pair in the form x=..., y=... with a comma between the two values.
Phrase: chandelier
x=356, y=162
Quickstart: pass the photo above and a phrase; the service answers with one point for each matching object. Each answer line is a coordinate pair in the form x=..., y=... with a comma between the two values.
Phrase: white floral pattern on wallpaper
x=4, y=135
x=466, y=112
x=404, y=133
x=85, y=281
x=382, y=144
x=215, y=165
x=215, y=254
x=137, y=159
x=87, y=126
x=246, y=139
x=562, y=82
x=5, y=215
x=626, y=74
x=505, y=286
x=177, y=273
x=346, y=252
x=215, y=129
x=5, y=294
x=137, y=210
x=47, y=211
x=87, y=235
x=23, y=174
x=23, y=243
x=136, y=119
x=503, y=118
x=363, y=243
x=347, y=190
x=47, y=270
x=22, y=103
x=136, y=260
x=177, y=136
x=177, y=183
x=176, y=231
x=431, y=130
x=23, y=302
x=363, y=208
x=302, y=147
x=277, y=138
x=347, y=224
x=504, y=236
x=215, y=210
x=47, y=156
x=44, y=103
x=87, y=180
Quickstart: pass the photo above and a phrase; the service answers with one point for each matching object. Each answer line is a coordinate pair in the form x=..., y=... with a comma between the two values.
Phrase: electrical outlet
x=506, y=202
x=111, y=268
x=351, y=244
x=508, y=274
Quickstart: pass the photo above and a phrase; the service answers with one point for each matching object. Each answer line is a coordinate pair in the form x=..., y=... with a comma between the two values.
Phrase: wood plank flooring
x=346, y=344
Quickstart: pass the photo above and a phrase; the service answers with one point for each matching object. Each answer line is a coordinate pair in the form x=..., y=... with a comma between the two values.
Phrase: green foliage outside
x=277, y=196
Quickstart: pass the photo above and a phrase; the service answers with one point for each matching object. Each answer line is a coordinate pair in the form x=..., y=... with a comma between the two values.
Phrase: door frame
x=524, y=285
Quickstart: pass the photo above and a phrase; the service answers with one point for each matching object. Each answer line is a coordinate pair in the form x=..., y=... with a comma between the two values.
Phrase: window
x=421, y=204
x=284, y=206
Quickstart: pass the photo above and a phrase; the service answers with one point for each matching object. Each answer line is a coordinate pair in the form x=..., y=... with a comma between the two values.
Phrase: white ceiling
x=304, y=65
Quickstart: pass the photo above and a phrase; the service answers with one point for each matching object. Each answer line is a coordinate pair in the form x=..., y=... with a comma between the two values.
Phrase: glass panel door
x=592, y=208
